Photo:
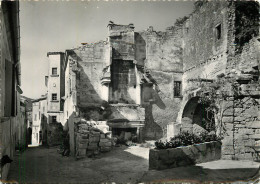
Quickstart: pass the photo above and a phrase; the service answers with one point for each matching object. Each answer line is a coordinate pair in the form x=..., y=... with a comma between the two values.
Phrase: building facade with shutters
x=10, y=81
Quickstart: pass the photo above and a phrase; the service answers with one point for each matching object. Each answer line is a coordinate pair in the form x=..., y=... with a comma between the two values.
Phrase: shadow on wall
x=89, y=101
x=44, y=129
x=152, y=129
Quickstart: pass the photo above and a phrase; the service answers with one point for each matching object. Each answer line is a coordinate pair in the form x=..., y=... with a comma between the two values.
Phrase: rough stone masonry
x=158, y=77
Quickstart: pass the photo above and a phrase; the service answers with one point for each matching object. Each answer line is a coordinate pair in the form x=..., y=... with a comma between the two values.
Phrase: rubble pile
x=91, y=139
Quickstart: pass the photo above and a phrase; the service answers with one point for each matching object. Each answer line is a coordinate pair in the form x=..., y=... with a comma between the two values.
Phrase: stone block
x=105, y=149
x=92, y=147
x=82, y=136
x=254, y=124
x=102, y=136
x=245, y=131
x=227, y=157
x=81, y=152
x=255, y=136
x=105, y=144
x=244, y=156
x=95, y=133
x=94, y=139
x=82, y=146
x=228, y=104
x=228, y=112
x=83, y=127
x=83, y=141
x=252, y=111
x=249, y=150
x=239, y=125
x=184, y=156
x=109, y=134
x=249, y=142
x=89, y=153
x=227, y=119
x=96, y=152
x=227, y=141
x=83, y=131
x=227, y=150
x=163, y=155
x=238, y=111
x=104, y=140
x=240, y=118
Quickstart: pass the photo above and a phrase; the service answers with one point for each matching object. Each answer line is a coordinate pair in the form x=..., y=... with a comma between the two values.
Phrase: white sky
x=56, y=26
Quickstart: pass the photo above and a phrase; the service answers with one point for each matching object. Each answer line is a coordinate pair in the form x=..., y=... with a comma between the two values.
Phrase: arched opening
x=197, y=117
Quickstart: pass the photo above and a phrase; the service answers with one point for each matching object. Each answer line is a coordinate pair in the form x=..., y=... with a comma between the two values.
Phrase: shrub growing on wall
x=186, y=139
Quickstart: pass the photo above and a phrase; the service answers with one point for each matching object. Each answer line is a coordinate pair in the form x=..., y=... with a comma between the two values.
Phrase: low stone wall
x=90, y=140
x=184, y=156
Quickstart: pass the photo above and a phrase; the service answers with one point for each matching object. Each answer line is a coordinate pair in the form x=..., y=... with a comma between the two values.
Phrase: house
x=10, y=81
x=39, y=120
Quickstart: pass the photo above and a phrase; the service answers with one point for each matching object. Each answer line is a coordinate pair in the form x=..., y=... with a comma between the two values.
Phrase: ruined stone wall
x=163, y=49
x=91, y=60
x=122, y=42
x=201, y=41
x=242, y=120
x=164, y=66
x=249, y=58
x=205, y=45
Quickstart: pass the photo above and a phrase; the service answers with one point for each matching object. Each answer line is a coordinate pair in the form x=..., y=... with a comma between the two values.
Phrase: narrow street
x=121, y=165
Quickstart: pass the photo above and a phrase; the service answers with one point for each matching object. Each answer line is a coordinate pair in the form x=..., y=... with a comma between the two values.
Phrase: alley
x=121, y=165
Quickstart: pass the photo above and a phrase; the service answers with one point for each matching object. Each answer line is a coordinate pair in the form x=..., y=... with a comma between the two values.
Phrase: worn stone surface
x=91, y=137
x=184, y=156
x=142, y=69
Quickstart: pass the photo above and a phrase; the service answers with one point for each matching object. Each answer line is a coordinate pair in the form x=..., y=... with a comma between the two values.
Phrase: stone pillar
x=138, y=87
x=228, y=151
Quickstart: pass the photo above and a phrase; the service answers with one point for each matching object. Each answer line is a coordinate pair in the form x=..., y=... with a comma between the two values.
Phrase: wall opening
x=125, y=134
x=196, y=117
x=218, y=32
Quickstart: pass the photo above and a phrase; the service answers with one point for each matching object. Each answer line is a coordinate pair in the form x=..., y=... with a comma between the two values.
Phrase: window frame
x=54, y=119
x=177, y=89
x=54, y=69
x=52, y=97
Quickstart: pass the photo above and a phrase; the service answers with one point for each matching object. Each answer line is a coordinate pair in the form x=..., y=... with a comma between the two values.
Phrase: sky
x=51, y=26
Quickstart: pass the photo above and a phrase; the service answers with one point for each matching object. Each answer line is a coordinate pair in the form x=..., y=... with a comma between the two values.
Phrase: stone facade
x=55, y=86
x=121, y=75
x=39, y=120
x=153, y=81
x=11, y=119
x=231, y=56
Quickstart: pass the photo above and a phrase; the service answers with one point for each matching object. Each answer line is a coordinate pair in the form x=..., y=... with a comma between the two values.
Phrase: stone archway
x=195, y=118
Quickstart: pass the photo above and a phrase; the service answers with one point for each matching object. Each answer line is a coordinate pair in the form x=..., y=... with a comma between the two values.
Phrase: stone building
x=55, y=86
x=47, y=111
x=152, y=84
x=221, y=60
x=125, y=81
x=39, y=118
x=10, y=82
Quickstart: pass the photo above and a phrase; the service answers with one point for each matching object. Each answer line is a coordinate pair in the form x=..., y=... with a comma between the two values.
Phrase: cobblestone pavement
x=121, y=165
